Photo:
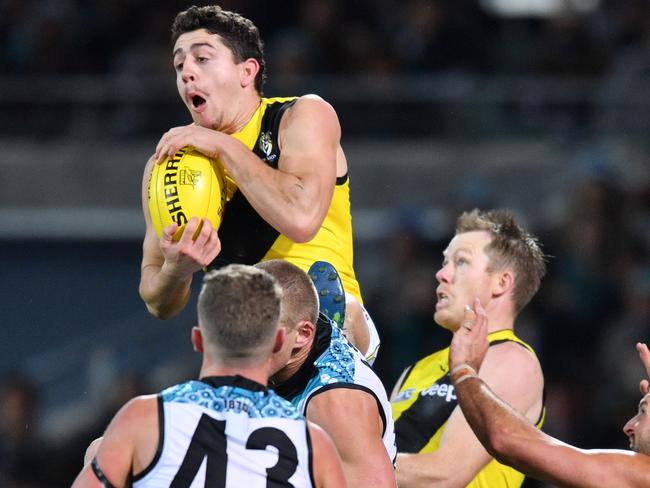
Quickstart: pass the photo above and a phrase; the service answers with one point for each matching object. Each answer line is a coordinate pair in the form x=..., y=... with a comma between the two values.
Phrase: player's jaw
x=631, y=440
x=446, y=309
x=637, y=430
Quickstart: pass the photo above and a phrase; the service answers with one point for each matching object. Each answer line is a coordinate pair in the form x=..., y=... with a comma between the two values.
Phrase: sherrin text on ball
x=187, y=185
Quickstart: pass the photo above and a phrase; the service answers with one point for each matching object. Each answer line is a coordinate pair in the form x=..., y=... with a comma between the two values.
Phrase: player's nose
x=442, y=275
x=628, y=428
x=188, y=74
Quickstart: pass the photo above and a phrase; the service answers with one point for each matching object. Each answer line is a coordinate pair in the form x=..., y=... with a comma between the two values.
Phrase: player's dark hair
x=238, y=34
x=511, y=247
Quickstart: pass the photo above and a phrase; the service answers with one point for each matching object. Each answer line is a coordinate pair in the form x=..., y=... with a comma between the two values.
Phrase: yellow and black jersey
x=423, y=403
x=247, y=238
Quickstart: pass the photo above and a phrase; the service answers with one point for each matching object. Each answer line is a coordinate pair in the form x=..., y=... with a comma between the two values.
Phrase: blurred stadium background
x=541, y=106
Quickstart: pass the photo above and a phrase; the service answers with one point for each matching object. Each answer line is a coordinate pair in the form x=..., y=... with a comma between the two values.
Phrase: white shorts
x=373, y=337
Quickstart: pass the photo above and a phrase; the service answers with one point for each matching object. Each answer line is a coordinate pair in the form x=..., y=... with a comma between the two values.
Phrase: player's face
x=462, y=278
x=638, y=428
x=207, y=78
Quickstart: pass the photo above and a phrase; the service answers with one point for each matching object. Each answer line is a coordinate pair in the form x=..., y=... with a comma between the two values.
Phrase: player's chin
x=200, y=120
x=444, y=320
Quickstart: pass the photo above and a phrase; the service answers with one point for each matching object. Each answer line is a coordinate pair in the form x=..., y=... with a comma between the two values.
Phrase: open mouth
x=197, y=101
x=442, y=299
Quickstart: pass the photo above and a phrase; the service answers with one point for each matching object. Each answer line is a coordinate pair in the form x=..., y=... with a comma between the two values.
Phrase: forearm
x=368, y=467
x=514, y=441
x=361, y=476
x=287, y=202
x=509, y=436
x=493, y=421
x=164, y=294
x=423, y=470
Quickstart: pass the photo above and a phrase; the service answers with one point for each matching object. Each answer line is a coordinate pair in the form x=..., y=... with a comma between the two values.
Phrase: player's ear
x=197, y=339
x=280, y=338
x=503, y=282
x=306, y=331
x=249, y=71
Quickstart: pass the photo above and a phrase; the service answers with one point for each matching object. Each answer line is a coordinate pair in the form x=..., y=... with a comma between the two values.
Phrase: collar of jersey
x=235, y=381
x=248, y=135
x=298, y=382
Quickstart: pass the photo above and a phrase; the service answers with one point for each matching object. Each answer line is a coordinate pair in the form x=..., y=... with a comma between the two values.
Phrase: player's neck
x=258, y=373
x=500, y=320
x=298, y=358
x=244, y=111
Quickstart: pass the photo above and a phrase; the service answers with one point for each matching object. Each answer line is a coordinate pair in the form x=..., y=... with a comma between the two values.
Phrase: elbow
x=159, y=312
x=302, y=230
x=157, y=309
x=499, y=444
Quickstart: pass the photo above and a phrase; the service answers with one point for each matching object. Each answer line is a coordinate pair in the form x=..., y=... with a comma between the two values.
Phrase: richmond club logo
x=266, y=145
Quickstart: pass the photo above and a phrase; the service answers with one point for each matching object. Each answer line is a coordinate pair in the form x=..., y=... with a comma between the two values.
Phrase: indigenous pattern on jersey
x=229, y=432
x=246, y=238
x=334, y=363
x=424, y=402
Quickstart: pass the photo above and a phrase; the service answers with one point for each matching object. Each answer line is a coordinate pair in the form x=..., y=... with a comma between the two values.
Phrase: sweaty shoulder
x=514, y=373
x=342, y=399
x=311, y=110
x=312, y=103
x=513, y=355
x=139, y=418
x=139, y=415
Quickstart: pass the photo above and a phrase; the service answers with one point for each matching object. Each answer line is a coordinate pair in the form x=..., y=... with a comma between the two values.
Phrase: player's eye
x=178, y=66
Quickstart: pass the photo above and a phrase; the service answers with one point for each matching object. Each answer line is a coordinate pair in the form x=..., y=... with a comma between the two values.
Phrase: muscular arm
x=128, y=446
x=328, y=471
x=295, y=197
x=351, y=418
x=167, y=267
x=512, y=439
x=515, y=373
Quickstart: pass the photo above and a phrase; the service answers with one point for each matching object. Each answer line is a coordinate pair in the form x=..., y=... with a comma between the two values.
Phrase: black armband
x=100, y=474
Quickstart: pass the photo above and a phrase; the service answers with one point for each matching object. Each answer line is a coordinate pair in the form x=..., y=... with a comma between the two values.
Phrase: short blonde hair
x=299, y=299
x=511, y=247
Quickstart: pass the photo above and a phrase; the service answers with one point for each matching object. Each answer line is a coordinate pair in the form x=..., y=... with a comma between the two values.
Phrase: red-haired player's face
x=208, y=78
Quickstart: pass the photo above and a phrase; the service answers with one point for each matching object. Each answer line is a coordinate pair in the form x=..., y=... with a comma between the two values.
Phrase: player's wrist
x=174, y=272
x=462, y=372
x=463, y=377
x=460, y=367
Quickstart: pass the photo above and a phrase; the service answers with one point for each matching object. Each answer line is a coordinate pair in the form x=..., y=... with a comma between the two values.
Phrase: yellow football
x=187, y=185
